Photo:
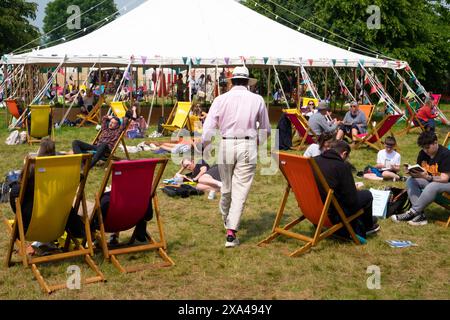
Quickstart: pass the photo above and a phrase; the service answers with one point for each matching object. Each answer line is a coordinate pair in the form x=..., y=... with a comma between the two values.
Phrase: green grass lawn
x=206, y=270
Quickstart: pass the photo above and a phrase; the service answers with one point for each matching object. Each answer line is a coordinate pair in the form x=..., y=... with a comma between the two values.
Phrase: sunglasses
x=389, y=145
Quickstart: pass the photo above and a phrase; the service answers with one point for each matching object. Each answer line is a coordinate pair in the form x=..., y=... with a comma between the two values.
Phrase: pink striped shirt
x=236, y=114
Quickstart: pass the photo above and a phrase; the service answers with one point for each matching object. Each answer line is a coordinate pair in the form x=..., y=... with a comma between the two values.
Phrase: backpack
x=11, y=178
x=398, y=202
x=182, y=191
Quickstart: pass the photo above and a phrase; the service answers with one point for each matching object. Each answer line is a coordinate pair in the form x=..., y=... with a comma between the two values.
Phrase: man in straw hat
x=236, y=114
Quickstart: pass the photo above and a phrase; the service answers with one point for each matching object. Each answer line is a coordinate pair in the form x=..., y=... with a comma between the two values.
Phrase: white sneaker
x=212, y=195
x=231, y=242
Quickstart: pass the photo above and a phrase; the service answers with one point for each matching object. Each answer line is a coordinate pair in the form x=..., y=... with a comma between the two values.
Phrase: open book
x=414, y=168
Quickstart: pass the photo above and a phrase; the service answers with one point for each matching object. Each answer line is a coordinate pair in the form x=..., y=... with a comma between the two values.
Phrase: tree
x=15, y=28
x=76, y=18
x=416, y=31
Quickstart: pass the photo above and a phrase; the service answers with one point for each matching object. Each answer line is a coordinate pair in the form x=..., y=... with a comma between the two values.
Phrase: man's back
x=237, y=112
x=316, y=123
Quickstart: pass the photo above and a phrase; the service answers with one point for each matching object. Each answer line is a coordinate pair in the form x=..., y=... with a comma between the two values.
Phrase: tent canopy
x=197, y=32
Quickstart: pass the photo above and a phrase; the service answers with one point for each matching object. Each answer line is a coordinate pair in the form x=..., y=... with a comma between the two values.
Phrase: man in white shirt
x=236, y=114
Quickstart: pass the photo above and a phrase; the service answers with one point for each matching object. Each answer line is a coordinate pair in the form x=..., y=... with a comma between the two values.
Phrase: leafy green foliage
x=58, y=13
x=416, y=31
x=15, y=28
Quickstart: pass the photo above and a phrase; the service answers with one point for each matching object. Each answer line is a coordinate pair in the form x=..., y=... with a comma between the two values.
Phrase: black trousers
x=364, y=222
x=82, y=147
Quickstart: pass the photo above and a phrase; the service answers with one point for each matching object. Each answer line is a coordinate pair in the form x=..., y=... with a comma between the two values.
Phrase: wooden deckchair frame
x=378, y=145
x=168, y=127
x=304, y=123
x=31, y=139
x=412, y=123
x=121, y=139
x=318, y=234
x=160, y=246
x=18, y=234
x=94, y=115
x=13, y=109
x=445, y=194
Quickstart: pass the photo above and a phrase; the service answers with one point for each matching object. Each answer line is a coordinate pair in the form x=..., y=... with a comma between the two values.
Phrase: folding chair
x=194, y=124
x=133, y=188
x=305, y=102
x=443, y=200
x=301, y=125
x=178, y=117
x=119, y=109
x=373, y=138
x=368, y=110
x=13, y=108
x=57, y=188
x=40, y=123
x=447, y=141
x=94, y=115
x=412, y=123
x=306, y=191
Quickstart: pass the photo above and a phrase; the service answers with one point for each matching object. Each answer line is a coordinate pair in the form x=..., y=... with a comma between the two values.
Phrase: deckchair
x=133, y=188
x=412, y=123
x=301, y=125
x=94, y=115
x=300, y=173
x=58, y=188
x=368, y=110
x=119, y=109
x=40, y=123
x=13, y=109
x=373, y=137
x=447, y=141
x=178, y=117
x=194, y=124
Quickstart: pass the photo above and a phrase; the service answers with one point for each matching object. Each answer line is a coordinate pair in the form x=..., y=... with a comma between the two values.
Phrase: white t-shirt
x=312, y=151
x=388, y=159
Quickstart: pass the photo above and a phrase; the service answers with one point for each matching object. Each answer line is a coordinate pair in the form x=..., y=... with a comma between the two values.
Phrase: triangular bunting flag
x=279, y=61
x=409, y=95
x=382, y=100
x=143, y=59
x=361, y=62
x=184, y=60
x=366, y=79
x=265, y=60
x=198, y=60
x=333, y=61
x=243, y=59
x=253, y=59
x=373, y=89
x=407, y=68
x=310, y=61
x=227, y=60
x=346, y=61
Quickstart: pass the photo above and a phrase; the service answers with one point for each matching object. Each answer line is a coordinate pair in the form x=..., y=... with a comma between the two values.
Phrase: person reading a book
x=354, y=123
x=429, y=178
x=388, y=163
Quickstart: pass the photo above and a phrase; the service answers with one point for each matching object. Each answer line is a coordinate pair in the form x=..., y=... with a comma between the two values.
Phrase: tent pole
x=326, y=83
x=64, y=90
x=401, y=93
x=298, y=88
x=268, y=90
x=354, y=80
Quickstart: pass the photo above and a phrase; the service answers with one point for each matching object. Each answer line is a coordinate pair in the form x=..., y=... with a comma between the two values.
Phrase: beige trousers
x=237, y=167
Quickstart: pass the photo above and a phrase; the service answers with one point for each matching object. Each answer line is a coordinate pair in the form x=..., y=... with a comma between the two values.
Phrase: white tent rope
x=416, y=96
x=382, y=92
x=317, y=36
x=58, y=27
x=309, y=83
x=343, y=83
x=19, y=82
x=364, y=47
x=49, y=82
x=122, y=81
x=11, y=76
x=279, y=83
x=153, y=97
x=76, y=96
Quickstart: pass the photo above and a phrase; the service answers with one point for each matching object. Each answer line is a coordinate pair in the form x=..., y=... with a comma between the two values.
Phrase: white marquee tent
x=202, y=33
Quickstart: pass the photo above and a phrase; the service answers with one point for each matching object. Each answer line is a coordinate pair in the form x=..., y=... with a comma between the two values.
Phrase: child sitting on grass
x=388, y=163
